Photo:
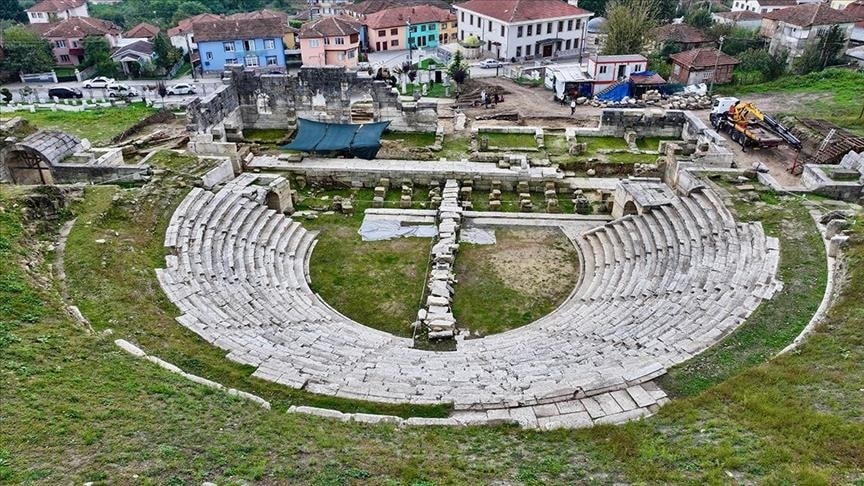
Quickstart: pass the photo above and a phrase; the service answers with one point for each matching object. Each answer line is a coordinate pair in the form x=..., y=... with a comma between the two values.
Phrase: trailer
x=749, y=127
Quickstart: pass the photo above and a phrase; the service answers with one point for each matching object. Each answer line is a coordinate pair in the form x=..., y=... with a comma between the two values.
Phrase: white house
x=182, y=36
x=795, y=27
x=607, y=70
x=55, y=10
x=744, y=19
x=762, y=6
x=524, y=29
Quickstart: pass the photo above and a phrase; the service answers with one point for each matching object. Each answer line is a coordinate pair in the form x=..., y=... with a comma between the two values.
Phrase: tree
x=596, y=6
x=97, y=52
x=26, y=52
x=737, y=39
x=699, y=18
x=758, y=66
x=627, y=21
x=12, y=10
x=822, y=52
x=166, y=54
x=458, y=69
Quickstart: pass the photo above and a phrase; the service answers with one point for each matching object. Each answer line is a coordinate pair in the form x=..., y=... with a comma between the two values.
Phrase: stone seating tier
x=656, y=288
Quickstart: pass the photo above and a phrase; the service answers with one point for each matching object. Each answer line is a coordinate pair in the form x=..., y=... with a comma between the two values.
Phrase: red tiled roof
x=683, y=33
x=75, y=28
x=855, y=9
x=777, y=3
x=265, y=13
x=238, y=28
x=142, y=30
x=643, y=79
x=511, y=11
x=185, y=25
x=396, y=17
x=372, y=6
x=703, y=58
x=55, y=5
x=812, y=14
x=329, y=27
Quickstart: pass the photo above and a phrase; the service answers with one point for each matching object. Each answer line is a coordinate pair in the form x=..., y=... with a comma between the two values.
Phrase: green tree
x=97, y=52
x=458, y=68
x=627, y=21
x=12, y=10
x=737, y=39
x=189, y=9
x=823, y=51
x=596, y=6
x=26, y=52
x=758, y=66
x=699, y=18
x=166, y=54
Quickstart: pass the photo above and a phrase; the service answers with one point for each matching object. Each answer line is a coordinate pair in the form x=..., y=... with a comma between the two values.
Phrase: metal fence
x=49, y=77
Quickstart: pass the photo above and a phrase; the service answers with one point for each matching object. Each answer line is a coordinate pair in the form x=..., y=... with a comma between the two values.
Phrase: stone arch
x=630, y=208
x=28, y=167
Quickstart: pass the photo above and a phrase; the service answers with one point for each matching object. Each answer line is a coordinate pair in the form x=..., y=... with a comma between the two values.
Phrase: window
x=269, y=44
x=471, y=19
x=313, y=42
x=61, y=43
x=575, y=43
x=569, y=25
x=340, y=41
x=382, y=33
x=519, y=31
x=231, y=61
x=272, y=61
x=393, y=32
x=453, y=25
x=549, y=28
x=502, y=31
x=560, y=26
x=530, y=30
x=490, y=26
x=250, y=45
x=567, y=45
x=75, y=43
x=578, y=24
x=518, y=51
x=354, y=38
x=432, y=38
x=352, y=53
x=394, y=43
x=462, y=35
x=638, y=68
x=528, y=50
x=539, y=28
x=604, y=69
x=228, y=46
x=209, y=56
x=463, y=16
x=64, y=58
x=340, y=56
x=326, y=41
x=252, y=61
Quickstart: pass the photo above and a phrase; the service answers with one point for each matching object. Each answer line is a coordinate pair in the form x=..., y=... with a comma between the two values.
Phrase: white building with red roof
x=54, y=10
x=524, y=29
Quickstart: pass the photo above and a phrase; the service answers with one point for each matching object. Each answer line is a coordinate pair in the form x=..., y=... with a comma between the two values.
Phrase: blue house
x=255, y=43
x=423, y=34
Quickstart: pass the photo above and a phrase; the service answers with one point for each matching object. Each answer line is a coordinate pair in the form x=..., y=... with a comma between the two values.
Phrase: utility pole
x=716, y=62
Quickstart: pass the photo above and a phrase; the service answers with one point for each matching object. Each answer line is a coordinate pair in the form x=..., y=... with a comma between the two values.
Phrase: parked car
x=119, y=90
x=181, y=89
x=65, y=93
x=98, y=82
x=490, y=63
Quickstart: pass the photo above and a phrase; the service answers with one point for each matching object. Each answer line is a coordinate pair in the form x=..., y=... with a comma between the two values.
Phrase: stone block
x=405, y=201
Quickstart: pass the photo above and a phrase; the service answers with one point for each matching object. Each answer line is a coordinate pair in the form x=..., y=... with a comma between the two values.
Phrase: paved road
x=204, y=86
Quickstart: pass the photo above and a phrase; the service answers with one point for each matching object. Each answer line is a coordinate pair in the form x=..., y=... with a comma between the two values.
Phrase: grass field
x=99, y=126
x=76, y=409
x=419, y=139
x=510, y=140
x=514, y=282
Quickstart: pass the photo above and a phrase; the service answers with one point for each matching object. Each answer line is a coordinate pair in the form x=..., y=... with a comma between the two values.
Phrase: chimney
x=575, y=3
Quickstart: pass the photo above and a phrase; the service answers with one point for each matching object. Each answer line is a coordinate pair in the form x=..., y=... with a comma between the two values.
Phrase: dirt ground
x=521, y=278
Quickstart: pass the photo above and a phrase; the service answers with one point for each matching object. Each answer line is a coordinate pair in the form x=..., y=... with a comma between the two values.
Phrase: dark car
x=65, y=93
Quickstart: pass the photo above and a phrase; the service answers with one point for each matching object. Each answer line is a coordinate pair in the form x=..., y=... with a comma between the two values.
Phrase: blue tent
x=361, y=141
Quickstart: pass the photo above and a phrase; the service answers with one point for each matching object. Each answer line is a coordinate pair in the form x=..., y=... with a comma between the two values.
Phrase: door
x=547, y=50
x=622, y=70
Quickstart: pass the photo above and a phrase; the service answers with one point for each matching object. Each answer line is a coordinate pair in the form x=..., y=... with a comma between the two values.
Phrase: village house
x=255, y=43
x=524, y=29
x=793, y=28
x=761, y=6
x=408, y=27
x=182, y=36
x=330, y=41
x=702, y=65
x=681, y=37
x=141, y=32
x=744, y=19
x=67, y=37
x=608, y=70
x=55, y=10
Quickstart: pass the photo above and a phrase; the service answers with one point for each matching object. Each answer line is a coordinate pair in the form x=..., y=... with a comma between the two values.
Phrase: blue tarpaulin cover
x=361, y=141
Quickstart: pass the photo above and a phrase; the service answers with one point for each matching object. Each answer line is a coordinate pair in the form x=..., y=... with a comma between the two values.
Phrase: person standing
x=572, y=107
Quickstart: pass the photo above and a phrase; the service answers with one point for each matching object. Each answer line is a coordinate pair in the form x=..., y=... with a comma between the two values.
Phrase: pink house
x=67, y=37
x=330, y=41
x=387, y=38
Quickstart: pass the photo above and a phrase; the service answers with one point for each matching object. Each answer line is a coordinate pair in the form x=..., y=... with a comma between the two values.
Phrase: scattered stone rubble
x=655, y=98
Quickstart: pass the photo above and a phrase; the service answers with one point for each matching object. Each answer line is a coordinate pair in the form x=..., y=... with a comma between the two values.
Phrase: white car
x=98, y=82
x=118, y=90
x=490, y=63
x=181, y=89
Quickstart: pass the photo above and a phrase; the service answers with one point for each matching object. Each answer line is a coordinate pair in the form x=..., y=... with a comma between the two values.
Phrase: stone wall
x=329, y=94
x=94, y=174
x=818, y=179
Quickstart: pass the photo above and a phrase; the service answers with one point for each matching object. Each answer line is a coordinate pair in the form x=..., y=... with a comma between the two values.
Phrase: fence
x=87, y=73
x=48, y=77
